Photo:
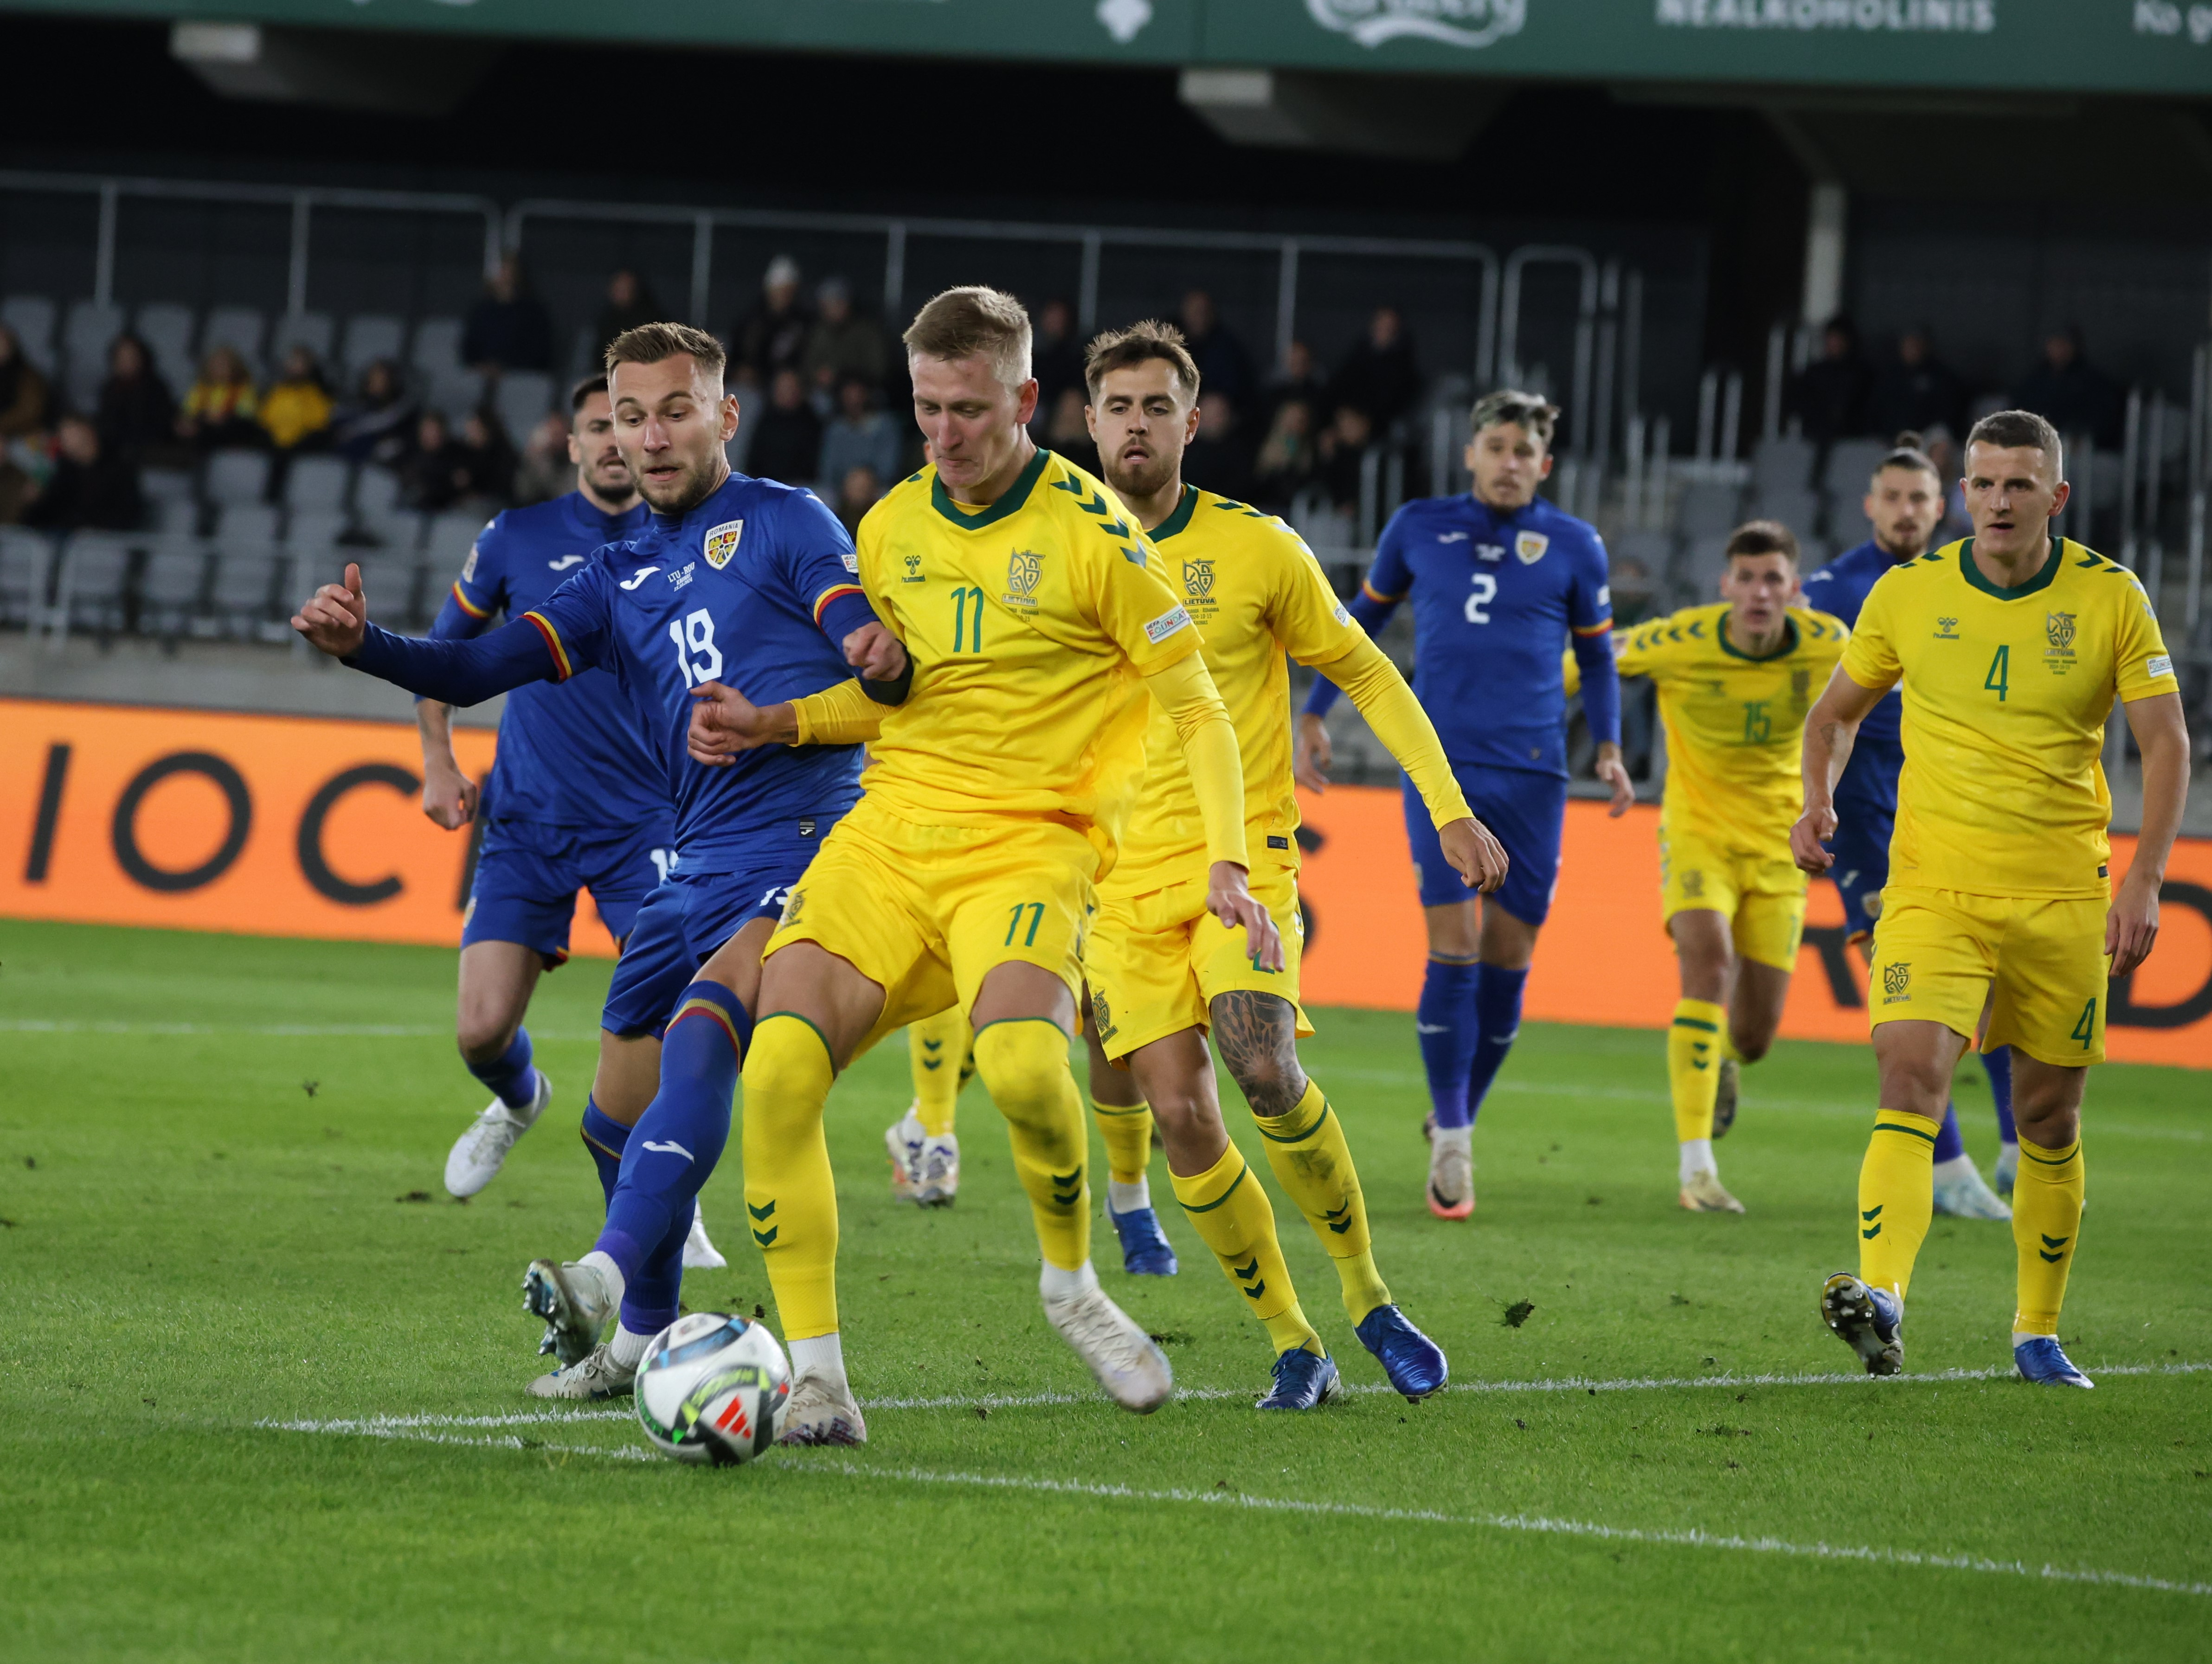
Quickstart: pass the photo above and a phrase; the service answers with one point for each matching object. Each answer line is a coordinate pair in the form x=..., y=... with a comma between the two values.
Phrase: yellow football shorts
x=1762, y=895
x=2039, y=961
x=926, y=911
x=1156, y=961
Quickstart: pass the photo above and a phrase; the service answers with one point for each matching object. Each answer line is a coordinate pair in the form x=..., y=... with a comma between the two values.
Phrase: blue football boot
x=1303, y=1380
x=1145, y=1250
x=1868, y=1320
x=2039, y=1359
x=1414, y=1362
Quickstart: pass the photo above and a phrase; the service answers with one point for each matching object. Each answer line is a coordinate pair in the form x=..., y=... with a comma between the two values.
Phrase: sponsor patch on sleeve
x=2159, y=665
x=852, y=560
x=1166, y=624
x=469, y=566
x=1605, y=595
x=1341, y=614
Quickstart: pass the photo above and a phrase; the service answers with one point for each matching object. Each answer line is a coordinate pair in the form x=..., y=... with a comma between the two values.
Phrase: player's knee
x=484, y=1035
x=1270, y=1079
x=787, y=1073
x=1023, y=1064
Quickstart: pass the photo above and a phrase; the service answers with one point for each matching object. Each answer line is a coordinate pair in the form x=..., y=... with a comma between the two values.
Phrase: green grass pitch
x=215, y=1154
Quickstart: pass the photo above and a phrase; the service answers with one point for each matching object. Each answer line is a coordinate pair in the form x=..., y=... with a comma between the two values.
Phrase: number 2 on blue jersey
x=1477, y=602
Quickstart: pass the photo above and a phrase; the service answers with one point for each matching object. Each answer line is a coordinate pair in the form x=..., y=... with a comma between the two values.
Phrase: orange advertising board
x=296, y=826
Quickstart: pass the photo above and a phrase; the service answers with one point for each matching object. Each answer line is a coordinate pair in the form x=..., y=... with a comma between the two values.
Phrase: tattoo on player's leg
x=1257, y=1034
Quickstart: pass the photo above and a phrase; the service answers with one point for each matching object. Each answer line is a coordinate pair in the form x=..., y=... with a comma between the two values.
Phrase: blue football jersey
x=576, y=753
x=752, y=588
x=1840, y=588
x=1496, y=598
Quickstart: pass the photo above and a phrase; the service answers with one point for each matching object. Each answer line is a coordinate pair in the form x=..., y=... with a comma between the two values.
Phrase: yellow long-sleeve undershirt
x=1186, y=692
x=1374, y=685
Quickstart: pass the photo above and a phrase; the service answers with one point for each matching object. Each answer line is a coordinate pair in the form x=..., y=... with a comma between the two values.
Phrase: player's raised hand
x=2131, y=924
x=875, y=653
x=335, y=617
x=1310, y=754
x=724, y=722
x=449, y=797
x=1475, y=852
x=1614, y=772
x=1230, y=899
x=1814, y=827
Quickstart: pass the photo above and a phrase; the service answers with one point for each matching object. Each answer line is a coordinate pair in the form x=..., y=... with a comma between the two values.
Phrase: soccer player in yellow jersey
x=1039, y=619
x=1736, y=677
x=1163, y=970
x=924, y=1149
x=2012, y=647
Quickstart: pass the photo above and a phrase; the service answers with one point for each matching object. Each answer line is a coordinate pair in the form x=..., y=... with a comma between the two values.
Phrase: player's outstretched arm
x=1186, y=692
x=1830, y=731
x=335, y=619
x=2162, y=737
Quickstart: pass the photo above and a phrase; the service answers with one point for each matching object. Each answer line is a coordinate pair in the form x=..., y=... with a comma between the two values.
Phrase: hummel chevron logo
x=932, y=1063
x=1871, y=1232
x=671, y=1148
x=1071, y=1182
x=760, y=1212
x=932, y=1045
x=1874, y=1212
x=2054, y=1249
x=1339, y=1218
x=766, y=1238
x=565, y=562
x=1250, y=1268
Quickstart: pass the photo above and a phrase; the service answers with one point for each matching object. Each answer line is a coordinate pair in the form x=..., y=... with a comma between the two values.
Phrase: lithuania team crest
x=1024, y=569
x=2058, y=628
x=722, y=543
x=1530, y=546
x=1198, y=579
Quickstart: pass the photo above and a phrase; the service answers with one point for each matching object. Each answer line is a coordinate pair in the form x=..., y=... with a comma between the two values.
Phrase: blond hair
x=975, y=322
x=1140, y=344
x=651, y=343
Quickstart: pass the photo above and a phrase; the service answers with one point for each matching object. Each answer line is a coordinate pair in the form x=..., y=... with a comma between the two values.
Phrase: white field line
x=33, y=1025
x=1538, y=1523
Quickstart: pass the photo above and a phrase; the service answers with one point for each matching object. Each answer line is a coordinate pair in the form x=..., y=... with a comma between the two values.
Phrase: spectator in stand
x=220, y=410
x=860, y=436
x=1828, y=396
x=787, y=441
x=1298, y=379
x=773, y=336
x=629, y=303
x=2073, y=395
x=1055, y=359
x=859, y=489
x=508, y=328
x=1917, y=393
x=22, y=414
x=435, y=474
x=137, y=413
x=1342, y=452
x=844, y=344
x=1068, y=433
x=1223, y=363
x=1286, y=458
x=1379, y=376
x=545, y=471
x=487, y=462
x=90, y=485
x=1941, y=448
x=374, y=426
x=1217, y=458
x=295, y=411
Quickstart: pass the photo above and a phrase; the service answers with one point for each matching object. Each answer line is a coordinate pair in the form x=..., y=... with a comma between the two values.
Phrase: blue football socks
x=1949, y=1145
x=510, y=1074
x=1446, y=1022
x=1998, y=1066
x=672, y=1150
x=606, y=1137
x=1497, y=1021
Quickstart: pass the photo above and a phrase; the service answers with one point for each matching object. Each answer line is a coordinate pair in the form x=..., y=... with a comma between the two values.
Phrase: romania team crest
x=722, y=543
x=1024, y=569
x=1530, y=546
x=1198, y=579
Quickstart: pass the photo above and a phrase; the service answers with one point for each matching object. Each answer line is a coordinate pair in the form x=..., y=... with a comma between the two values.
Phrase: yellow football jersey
x=1256, y=592
x=1734, y=724
x=1031, y=624
x=2007, y=692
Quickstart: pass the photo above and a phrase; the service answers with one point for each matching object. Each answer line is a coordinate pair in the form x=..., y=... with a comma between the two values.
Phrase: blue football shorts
x=687, y=919
x=1866, y=814
x=527, y=876
x=1525, y=813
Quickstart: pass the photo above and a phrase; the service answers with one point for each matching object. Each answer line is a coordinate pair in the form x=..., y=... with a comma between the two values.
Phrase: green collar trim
x=1011, y=502
x=2042, y=579
x=1176, y=522
x=1789, y=640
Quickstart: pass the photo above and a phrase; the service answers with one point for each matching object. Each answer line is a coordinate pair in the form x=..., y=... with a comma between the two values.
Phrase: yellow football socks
x=1313, y=1163
x=938, y=1047
x=1896, y=1197
x=2046, y=1220
x=1232, y=1218
x=1023, y=1063
x=791, y=1199
x=1128, y=1135
x=1694, y=1057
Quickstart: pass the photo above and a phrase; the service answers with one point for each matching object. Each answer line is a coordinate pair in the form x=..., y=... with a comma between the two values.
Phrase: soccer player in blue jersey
x=575, y=800
x=1904, y=502
x=1501, y=582
x=734, y=577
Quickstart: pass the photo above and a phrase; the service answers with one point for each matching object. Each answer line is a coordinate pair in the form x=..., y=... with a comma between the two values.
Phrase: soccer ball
x=713, y=1388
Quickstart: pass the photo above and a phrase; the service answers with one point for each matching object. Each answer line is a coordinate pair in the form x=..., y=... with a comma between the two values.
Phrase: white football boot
x=1967, y=1197
x=1702, y=1192
x=2007, y=1166
x=1451, y=1177
x=903, y=1139
x=476, y=1157
x=820, y=1412
x=698, y=1253
x=576, y=1303
x=596, y=1377
x=1133, y=1371
x=936, y=1181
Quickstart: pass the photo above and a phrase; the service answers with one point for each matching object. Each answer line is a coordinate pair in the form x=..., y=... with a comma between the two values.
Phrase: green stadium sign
x=2018, y=45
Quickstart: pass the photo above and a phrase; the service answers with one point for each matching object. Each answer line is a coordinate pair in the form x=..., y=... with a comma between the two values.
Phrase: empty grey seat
x=367, y=337
x=323, y=561
x=437, y=346
x=450, y=537
x=173, y=587
x=1651, y=551
x=242, y=327
x=166, y=485
x=246, y=589
x=1798, y=510
x=237, y=477
x=25, y=572
x=1850, y=464
x=173, y=516
x=1698, y=568
x=1709, y=509
x=95, y=566
x=311, y=330
x=318, y=483
x=167, y=329
x=31, y=317
x=92, y=328
x=248, y=522
x=311, y=528
x=524, y=396
x=455, y=393
x=1784, y=464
